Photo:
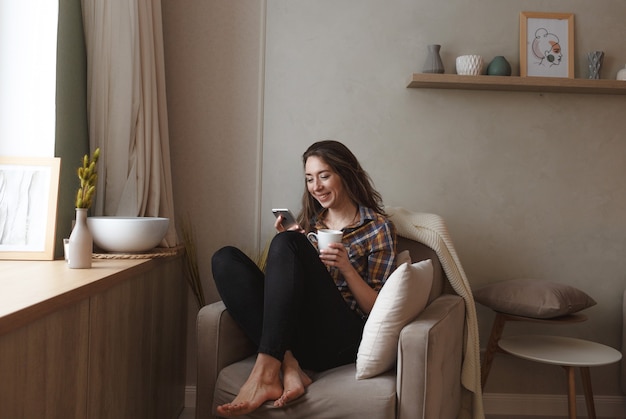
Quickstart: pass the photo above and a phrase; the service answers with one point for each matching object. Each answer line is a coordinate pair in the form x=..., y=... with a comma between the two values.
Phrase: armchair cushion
x=358, y=399
x=401, y=299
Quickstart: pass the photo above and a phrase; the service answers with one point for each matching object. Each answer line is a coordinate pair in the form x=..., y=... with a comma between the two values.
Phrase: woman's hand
x=278, y=225
x=336, y=255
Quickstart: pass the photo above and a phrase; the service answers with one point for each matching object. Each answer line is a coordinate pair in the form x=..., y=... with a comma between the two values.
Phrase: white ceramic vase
x=81, y=242
x=469, y=65
x=621, y=75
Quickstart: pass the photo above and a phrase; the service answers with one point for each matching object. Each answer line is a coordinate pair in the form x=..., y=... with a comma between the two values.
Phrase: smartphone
x=288, y=219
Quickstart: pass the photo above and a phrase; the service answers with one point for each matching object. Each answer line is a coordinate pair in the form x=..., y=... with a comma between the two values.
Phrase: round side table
x=498, y=327
x=568, y=353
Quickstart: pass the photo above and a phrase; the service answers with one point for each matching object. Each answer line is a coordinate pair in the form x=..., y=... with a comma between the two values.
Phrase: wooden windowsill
x=31, y=289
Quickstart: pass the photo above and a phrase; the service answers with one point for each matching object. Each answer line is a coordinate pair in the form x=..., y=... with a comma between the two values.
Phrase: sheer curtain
x=127, y=109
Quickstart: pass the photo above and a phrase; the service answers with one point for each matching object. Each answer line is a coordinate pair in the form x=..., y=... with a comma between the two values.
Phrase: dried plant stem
x=261, y=258
x=191, y=262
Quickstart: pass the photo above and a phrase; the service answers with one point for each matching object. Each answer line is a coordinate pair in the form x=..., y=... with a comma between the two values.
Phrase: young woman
x=308, y=309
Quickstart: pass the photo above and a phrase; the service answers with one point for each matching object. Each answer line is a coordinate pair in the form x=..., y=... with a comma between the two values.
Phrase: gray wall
x=213, y=53
x=531, y=184
x=72, y=136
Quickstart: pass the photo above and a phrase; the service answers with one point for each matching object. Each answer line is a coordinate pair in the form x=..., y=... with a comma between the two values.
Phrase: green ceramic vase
x=499, y=66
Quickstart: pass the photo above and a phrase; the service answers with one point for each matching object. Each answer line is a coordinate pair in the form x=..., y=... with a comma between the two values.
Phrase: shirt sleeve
x=382, y=258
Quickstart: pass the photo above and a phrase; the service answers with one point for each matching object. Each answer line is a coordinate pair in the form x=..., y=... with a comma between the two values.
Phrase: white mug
x=324, y=237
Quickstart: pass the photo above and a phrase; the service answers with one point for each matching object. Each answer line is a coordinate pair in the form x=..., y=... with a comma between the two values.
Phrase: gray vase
x=433, y=62
x=595, y=63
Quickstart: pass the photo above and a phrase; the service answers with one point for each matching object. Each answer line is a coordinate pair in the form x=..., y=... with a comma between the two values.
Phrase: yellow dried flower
x=87, y=176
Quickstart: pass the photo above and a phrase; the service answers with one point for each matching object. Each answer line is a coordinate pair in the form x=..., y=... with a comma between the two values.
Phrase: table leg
x=586, y=378
x=492, y=347
x=571, y=391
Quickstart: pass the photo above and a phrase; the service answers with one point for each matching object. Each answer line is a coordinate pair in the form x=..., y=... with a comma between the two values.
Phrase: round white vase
x=621, y=75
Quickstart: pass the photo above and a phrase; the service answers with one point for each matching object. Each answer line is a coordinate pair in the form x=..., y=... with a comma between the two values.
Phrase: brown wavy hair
x=356, y=181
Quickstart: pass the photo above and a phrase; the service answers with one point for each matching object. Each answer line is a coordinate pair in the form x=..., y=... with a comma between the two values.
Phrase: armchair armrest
x=430, y=354
x=220, y=343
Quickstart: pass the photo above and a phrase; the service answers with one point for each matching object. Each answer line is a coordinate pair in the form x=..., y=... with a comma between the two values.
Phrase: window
x=28, y=46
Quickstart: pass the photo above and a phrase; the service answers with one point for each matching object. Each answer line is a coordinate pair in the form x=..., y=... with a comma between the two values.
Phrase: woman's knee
x=287, y=240
x=223, y=258
x=226, y=252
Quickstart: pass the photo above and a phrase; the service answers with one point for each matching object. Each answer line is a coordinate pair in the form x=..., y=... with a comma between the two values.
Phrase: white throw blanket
x=430, y=230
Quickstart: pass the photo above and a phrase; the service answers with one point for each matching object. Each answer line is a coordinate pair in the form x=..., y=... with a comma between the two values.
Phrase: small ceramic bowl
x=127, y=234
x=469, y=65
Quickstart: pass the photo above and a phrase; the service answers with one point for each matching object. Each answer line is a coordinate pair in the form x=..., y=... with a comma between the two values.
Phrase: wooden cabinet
x=43, y=366
x=112, y=347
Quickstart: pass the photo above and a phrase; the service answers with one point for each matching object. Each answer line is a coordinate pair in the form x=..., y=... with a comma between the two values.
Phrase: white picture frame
x=29, y=188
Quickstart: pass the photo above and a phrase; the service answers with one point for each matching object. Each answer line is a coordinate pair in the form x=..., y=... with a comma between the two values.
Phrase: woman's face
x=554, y=56
x=323, y=183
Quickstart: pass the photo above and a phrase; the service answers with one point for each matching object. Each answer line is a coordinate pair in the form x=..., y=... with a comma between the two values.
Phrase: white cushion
x=403, y=257
x=400, y=300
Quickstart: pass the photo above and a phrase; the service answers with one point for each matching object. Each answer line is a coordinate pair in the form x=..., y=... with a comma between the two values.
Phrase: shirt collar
x=365, y=214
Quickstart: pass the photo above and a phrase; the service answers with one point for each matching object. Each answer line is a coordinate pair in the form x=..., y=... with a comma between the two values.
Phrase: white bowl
x=127, y=234
x=470, y=65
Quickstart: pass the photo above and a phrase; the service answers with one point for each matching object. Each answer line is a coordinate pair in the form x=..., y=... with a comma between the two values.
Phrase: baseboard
x=190, y=397
x=550, y=405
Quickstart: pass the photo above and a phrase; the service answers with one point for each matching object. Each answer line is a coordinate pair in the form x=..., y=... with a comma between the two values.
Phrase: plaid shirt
x=371, y=244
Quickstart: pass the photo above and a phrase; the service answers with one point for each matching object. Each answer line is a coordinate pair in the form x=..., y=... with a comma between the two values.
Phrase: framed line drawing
x=29, y=188
x=547, y=44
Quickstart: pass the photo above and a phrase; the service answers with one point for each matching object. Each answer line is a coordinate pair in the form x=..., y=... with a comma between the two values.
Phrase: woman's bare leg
x=262, y=385
x=295, y=381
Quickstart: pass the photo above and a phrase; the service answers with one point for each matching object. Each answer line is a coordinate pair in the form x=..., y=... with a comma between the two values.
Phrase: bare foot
x=262, y=385
x=295, y=381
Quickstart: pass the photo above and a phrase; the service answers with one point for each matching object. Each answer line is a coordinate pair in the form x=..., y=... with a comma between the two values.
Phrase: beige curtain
x=127, y=109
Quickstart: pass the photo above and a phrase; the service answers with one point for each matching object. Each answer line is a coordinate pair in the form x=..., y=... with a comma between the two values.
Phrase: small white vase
x=81, y=242
x=469, y=65
x=621, y=75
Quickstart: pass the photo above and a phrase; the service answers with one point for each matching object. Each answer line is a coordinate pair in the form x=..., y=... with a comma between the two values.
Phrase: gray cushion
x=371, y=398
x=533, y=298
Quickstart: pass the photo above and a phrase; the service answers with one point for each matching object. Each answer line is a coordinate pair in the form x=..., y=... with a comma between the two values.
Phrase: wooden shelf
x=517, y=84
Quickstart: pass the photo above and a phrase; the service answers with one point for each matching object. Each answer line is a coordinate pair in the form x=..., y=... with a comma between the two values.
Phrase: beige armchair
x=425, y=384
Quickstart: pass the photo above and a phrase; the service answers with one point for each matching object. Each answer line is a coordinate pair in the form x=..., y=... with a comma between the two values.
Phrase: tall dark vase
x=433, y=62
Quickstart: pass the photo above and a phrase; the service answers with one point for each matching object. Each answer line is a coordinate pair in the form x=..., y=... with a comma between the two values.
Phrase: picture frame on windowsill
x=29, y=188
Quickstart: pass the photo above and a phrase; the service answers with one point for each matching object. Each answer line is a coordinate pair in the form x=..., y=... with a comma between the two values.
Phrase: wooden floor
x=188, y=413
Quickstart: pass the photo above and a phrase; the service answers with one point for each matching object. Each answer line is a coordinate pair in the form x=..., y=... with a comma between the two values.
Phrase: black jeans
x=294, y=306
